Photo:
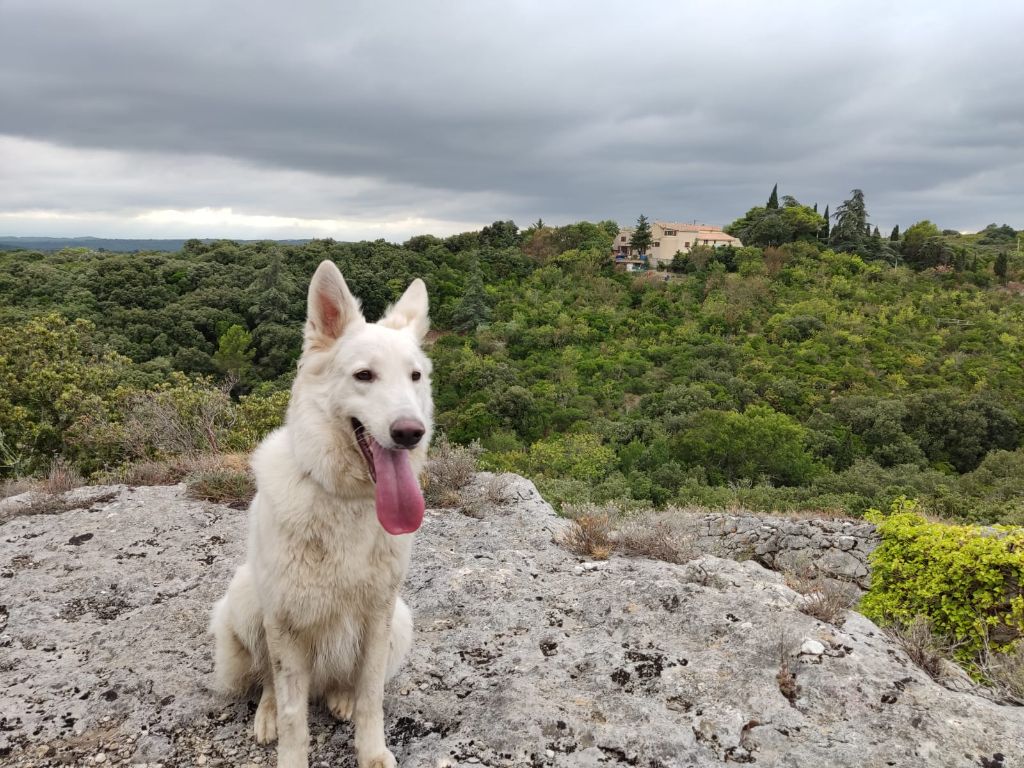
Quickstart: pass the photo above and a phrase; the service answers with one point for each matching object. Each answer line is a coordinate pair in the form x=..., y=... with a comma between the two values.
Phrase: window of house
x=669, y=232
x=686, y=244
x=657, y=243
x=622, y=239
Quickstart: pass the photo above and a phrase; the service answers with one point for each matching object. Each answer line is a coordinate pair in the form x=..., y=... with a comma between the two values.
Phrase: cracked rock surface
x=520, y=657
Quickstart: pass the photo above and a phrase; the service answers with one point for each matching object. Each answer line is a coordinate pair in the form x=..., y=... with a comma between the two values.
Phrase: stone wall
x=837, y=549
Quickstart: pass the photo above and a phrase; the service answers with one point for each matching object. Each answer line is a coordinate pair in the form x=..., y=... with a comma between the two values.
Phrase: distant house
x=666, y=239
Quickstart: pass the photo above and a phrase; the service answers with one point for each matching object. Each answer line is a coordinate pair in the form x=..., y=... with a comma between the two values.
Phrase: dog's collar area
x=363, y=439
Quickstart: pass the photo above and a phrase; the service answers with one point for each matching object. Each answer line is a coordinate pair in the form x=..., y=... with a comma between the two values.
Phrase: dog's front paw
x=385, y=760
x=265, y=723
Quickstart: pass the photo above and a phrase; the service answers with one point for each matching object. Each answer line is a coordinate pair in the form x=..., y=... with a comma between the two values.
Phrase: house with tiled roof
x=667, y=238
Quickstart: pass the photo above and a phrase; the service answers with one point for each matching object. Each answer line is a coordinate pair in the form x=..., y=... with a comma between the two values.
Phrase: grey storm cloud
x=469, y=112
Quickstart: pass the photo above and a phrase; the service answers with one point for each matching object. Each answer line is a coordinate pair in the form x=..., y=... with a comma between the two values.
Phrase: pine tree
x=851, y=228
x=642, y=237
x=895, y=236
x=823, y=235
x=815, y=207
x=876, y=233
x=773, y=198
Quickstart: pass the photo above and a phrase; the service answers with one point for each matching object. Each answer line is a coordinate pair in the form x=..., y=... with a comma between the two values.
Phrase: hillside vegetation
x=804, y=372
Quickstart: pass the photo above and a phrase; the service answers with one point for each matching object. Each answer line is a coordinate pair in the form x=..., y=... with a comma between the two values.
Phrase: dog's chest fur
x=330, y=560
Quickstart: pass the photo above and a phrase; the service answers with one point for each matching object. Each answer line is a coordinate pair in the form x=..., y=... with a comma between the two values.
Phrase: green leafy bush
x=967, y=580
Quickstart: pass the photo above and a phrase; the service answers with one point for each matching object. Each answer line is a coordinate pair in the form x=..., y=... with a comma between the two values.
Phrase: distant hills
x=117, y=245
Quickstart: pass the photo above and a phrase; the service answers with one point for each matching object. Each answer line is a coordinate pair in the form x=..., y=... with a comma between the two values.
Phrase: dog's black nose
x=407, y=432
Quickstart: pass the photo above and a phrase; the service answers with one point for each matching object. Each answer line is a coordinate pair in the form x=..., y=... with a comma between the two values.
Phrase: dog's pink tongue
x=399, y=498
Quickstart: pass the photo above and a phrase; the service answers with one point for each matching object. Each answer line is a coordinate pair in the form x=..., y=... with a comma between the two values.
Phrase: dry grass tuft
x=168, y=472
x=496, y=489
x=589, y=535
x=174, y=470
x=785, y=650
x=62, y=477
x=920, y=643
x=16, y=486
x=449, y=469
x=223, y=486
x=472, y=505
x=1004, y=672
x=53, y=504
x=598, y=530
x=825, y=599
x=653, y=538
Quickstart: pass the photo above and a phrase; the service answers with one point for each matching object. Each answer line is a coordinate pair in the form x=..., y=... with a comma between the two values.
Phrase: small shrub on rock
x=589, y=534
x=653, y=538
x=449, y=468
x=62, y=477
x=224, y=486
x=918, y=641
x=825, y=599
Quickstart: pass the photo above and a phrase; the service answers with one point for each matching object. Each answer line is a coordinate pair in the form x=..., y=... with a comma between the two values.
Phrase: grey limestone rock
x=523, y=655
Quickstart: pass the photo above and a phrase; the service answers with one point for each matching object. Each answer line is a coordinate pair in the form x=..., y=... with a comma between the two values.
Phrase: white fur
x=314, y=612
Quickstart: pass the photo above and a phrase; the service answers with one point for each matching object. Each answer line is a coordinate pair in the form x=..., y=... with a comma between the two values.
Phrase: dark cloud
x=466, y=112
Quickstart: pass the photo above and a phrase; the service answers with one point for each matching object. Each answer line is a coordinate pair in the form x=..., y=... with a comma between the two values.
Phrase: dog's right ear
x=331, y=308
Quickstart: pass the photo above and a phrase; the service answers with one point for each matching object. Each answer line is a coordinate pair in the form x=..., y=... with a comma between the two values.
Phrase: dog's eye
x=364, y=375
x=416, y=375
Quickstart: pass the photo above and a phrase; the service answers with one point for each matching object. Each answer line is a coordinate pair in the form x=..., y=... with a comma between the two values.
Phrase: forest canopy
x=820, y=366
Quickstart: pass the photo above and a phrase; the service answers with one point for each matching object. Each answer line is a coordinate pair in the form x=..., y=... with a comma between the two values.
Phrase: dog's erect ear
x=410, y=311
x=331, y=308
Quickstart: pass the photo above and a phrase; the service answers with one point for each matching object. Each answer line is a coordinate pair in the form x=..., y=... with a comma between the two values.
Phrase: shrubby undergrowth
x=967, y=581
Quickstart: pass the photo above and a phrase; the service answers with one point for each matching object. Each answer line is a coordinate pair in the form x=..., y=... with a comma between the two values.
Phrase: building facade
x=668, y=238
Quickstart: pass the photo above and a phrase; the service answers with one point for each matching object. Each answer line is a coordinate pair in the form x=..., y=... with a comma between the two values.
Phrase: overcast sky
x=386, y=119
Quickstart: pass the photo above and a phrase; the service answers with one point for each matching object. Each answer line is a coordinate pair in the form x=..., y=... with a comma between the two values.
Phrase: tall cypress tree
x=823, y=235
x=773, y=198
x=895, y=236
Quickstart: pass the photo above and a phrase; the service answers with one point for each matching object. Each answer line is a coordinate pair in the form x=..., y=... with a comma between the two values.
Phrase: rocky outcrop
x=836, y=549
x=520, y=658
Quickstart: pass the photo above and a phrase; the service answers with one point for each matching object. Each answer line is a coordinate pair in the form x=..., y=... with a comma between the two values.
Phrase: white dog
x=314, y=612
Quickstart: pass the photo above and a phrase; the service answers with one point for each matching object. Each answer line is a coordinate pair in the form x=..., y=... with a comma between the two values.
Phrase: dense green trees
x=786, y=376
x=774, y=226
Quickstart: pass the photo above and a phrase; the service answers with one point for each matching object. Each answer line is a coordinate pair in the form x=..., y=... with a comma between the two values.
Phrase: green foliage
x=968, y=581
x=1001, y=266
x=642, y=238
x=255, y=416
x=923, y=246
x=774, y=226
x=56, y=384
x=787, y=377
x=850, y=232
x=754, y=444
x=472, y=309
x=996, y=235
x=234, y=357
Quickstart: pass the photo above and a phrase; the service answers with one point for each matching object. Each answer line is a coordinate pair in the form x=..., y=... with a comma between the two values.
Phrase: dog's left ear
x=410, y=311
